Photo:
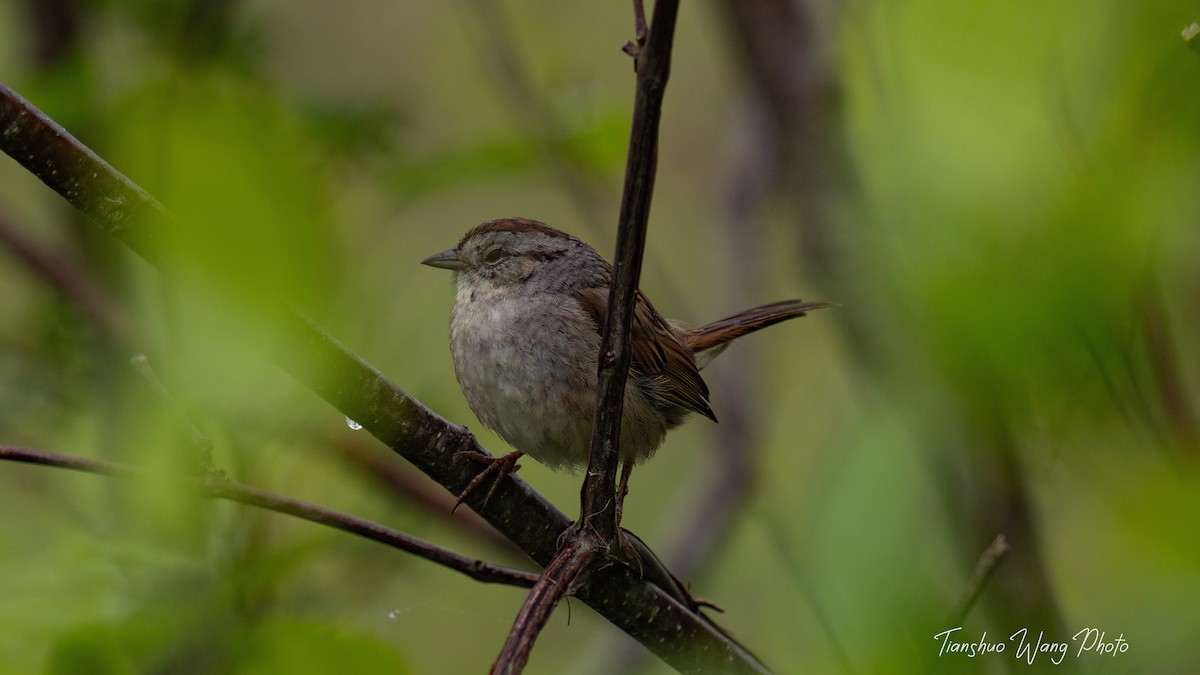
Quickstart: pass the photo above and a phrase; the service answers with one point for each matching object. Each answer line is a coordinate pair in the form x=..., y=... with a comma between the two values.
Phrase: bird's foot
x=498, y=466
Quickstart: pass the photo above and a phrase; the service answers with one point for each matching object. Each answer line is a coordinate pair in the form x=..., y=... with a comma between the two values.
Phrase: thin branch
x=598, y=527
x=984, y=568
x=653, y=69
x=701, y=514
x=640, y=32
x=639, y=22
x=217, y=487
x=555, y=582
x=418, y=434
x=673, y=630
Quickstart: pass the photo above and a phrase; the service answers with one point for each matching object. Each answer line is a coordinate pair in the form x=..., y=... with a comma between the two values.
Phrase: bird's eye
x=493, y=256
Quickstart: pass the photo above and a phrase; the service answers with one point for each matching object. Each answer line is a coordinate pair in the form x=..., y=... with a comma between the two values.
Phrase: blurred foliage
x=1019, y=255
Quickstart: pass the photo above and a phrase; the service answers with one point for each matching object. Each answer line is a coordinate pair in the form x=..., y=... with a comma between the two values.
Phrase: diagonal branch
x=360, y=392
x=220, y=488
x=653, y=615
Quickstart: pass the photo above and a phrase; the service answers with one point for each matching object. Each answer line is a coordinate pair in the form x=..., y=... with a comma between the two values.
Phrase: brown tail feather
x=730, y=328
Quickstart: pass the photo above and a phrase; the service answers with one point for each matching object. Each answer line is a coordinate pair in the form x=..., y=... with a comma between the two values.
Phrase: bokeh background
x=1002, y=198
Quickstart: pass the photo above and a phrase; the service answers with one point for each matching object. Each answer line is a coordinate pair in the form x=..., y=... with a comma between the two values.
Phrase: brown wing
x=665, y=366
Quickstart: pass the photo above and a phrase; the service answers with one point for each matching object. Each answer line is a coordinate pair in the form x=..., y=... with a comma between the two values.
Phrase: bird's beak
x=447, y=260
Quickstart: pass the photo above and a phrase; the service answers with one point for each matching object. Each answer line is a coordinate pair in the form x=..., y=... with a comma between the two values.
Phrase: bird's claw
x=499, y=466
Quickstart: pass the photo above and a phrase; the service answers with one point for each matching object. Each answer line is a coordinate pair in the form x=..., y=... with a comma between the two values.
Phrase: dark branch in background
x=780, y=43
x=221, y=488
x=658, y=616
x=784, y=53
x=56, y=27
x=787, y=61
x=1177, y=407
x=66, y=277
x=707, y=517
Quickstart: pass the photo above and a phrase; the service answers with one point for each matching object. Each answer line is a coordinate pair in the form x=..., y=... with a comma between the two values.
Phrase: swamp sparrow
x=525, y=338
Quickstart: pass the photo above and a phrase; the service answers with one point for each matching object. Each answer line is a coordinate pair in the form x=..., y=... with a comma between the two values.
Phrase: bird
x=525, y=331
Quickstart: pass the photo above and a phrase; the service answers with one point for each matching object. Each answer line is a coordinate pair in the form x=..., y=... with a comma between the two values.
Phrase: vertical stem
x=653, y=68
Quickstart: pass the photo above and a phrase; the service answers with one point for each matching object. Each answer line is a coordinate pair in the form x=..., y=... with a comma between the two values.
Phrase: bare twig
x=702, y=514
x=556, y=580
x=599, y=487
x=640, y=32
x=639, y=22
x=984, y=568
x=671, y=629
x=598, y=528
x=220, y=488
